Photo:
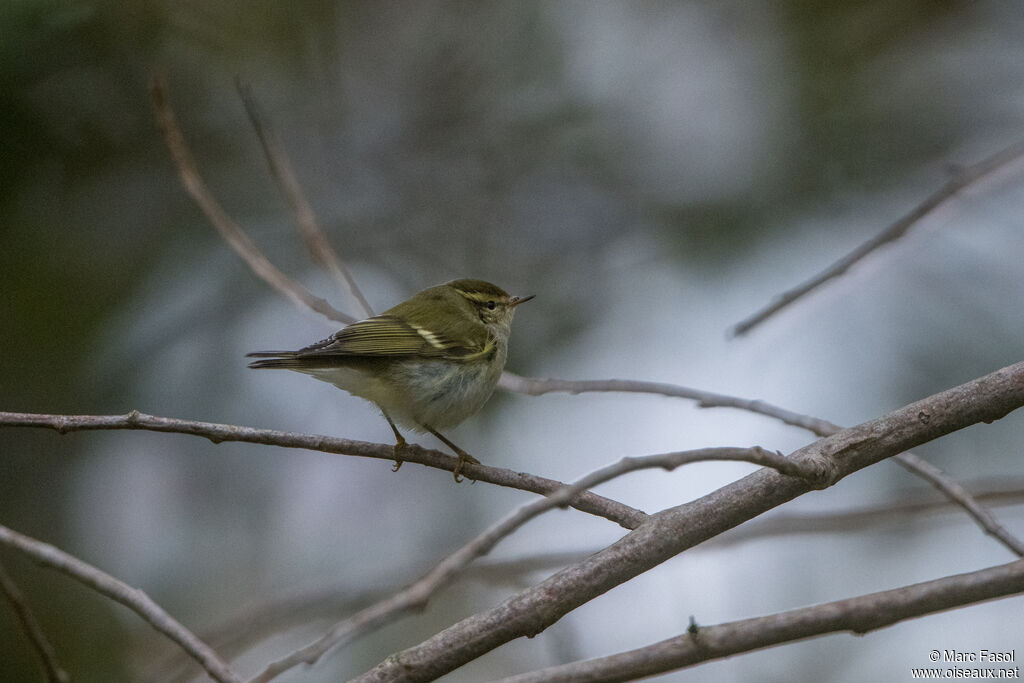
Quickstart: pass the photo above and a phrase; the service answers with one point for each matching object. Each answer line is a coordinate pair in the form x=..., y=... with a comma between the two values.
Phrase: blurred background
x=653, y=171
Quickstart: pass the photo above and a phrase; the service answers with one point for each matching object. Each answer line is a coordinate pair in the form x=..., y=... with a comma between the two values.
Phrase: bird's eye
x=491, y=305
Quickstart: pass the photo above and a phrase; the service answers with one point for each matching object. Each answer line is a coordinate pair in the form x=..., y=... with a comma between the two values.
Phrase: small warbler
x=428, y=363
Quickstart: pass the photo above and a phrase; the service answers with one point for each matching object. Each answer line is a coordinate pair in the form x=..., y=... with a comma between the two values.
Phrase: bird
x=428, y=363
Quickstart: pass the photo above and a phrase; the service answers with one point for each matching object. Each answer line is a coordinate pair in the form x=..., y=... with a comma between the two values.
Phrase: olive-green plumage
x=428, y=363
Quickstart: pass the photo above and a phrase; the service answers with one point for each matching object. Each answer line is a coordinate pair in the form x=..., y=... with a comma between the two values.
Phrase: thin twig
x=959, y=495
x=860, y=615
x=416, y=596
x=40, y=643
x=133, y=598
x=859, y=519
x=229, y=230
x=313, y=235
x=536, y=386
x=591, y=503
x=963, y=178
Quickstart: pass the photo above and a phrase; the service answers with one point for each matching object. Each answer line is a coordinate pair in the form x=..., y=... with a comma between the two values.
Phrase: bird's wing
x=382, y=335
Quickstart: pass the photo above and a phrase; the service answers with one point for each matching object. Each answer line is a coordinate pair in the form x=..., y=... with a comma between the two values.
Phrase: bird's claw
x=464, y=459
x=400, y=447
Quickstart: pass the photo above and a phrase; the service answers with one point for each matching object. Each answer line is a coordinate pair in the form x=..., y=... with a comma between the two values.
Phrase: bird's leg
x=464, y=457
x=400, y=443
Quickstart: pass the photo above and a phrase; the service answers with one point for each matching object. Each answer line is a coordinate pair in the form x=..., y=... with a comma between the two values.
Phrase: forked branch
x=669, y=532
x=416, y=595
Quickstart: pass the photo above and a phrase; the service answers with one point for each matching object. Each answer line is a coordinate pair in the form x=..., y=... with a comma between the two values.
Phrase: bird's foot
x=400, y=447
x=464, y=459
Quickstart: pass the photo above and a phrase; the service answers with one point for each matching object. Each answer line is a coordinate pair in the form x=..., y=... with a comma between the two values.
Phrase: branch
x=535, y=386
x=236, y=634
x=305, y=220
x=229, y=230
x=623, y=515
x=858, y=615
x=670, y=532
x=47, y=655
x=963, y=178
x=133, y=598
x=415, y=597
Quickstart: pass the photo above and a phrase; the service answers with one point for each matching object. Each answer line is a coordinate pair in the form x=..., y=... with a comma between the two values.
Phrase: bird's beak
x=516, y=300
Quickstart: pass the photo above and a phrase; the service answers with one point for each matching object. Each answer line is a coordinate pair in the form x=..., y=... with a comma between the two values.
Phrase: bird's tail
x=287, y=360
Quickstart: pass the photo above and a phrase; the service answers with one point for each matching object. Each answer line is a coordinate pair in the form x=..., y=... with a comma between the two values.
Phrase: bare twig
x=591, y=503
x=535, y=386
x=133, y=598
x=416, y=596
x=320, y=248
x=672, y=531
x=963, y=178
x=538, y=386
x=40, y=643
x=858, y=615
x=959, y=495
x=859, y=519
x=229, y=230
